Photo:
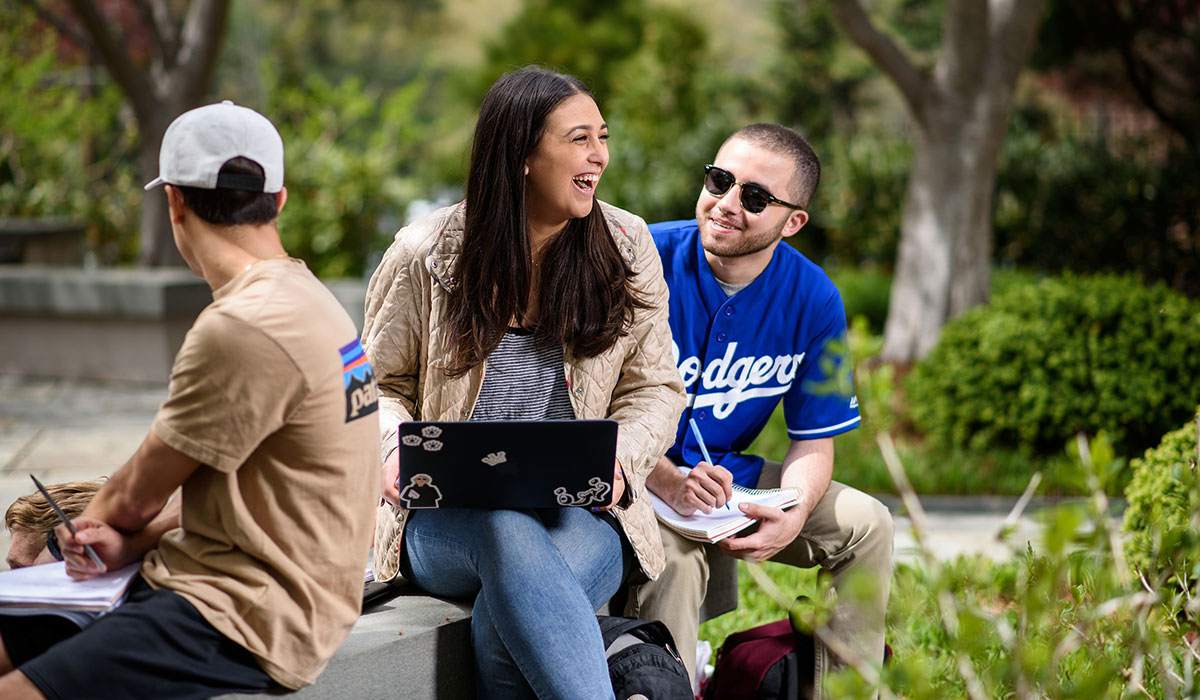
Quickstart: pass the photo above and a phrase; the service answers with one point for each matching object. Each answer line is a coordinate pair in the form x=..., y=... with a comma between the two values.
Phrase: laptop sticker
x=420, y=493
x=432, y=445
x=495, y=459
x=597, y=494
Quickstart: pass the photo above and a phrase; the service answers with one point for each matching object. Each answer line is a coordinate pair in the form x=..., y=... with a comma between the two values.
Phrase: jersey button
x=728, y=310
x=721, y=337
x=701, y=415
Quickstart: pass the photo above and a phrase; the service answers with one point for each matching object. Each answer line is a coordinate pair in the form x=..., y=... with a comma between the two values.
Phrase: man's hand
x=109, y=544
x=776, y=530
x=389, y=474
x=705, y=487
x=618, y=489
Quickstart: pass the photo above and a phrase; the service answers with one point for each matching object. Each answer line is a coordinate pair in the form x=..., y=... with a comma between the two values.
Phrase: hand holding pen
x=704, y=452
x=67, y=521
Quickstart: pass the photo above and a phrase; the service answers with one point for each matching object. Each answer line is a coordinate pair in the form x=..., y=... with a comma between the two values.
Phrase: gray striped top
x=523, y=382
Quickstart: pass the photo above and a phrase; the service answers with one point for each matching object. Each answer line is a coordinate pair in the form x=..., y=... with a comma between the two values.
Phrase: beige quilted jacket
x=635, y=382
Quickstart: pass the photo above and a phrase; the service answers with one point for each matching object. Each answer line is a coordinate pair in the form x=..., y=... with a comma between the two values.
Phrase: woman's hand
x=618, y=489
x=389, y=474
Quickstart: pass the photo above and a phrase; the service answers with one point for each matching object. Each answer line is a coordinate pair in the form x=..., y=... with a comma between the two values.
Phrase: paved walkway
x=62, y=431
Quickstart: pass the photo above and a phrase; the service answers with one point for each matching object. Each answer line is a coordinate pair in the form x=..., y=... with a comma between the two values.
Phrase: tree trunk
x=181, y=65
x=157, y=242
x=960, y=116
x=942, y=264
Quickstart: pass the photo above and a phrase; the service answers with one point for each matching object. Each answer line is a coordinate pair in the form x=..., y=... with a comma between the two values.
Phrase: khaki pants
x=849, y=534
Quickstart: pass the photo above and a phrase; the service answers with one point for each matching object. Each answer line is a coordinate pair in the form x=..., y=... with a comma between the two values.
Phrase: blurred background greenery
x=1097, y=178
x=376, y=101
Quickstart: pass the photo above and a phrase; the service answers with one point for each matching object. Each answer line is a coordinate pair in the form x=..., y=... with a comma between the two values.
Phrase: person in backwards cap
x=253, y=576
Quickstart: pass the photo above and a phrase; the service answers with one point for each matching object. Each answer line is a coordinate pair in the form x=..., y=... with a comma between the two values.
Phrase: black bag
x=768, y=662
x=642, y=659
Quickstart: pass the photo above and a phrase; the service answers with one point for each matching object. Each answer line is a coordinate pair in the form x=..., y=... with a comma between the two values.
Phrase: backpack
x=768, y=662
x=642, y=660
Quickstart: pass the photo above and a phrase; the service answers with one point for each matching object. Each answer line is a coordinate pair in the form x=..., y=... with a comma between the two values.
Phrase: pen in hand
x=703, y=449
x=67, y=521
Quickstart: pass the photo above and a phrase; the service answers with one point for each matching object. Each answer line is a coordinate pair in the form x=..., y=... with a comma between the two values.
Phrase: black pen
x=67, y=521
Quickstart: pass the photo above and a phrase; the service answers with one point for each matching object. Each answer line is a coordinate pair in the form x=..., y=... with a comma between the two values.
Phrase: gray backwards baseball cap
x=202, y=140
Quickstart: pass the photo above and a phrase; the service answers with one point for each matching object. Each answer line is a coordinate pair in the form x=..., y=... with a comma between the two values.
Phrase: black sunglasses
x=754, y=198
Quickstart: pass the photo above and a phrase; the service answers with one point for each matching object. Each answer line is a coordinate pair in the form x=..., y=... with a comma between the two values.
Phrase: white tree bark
x=960, y=115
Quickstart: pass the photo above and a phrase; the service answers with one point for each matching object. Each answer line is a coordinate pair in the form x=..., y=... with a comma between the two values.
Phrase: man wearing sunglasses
x=755, y=322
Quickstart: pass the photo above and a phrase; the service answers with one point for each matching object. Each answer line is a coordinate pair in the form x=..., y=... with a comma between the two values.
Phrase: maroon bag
x=768, y=662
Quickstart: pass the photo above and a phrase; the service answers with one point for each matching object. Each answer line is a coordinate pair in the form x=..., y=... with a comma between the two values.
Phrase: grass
x=1003, y=472
x=755, y=607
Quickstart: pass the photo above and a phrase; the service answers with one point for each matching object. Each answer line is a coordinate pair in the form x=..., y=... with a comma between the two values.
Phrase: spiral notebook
x=721, y=522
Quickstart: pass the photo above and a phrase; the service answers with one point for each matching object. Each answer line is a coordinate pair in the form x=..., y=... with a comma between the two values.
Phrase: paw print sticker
x=432, y=445
x=431, y=431
x=411, y=440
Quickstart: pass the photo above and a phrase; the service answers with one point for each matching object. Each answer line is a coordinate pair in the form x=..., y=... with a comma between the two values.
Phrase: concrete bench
x=109, y=324
x=412, y=646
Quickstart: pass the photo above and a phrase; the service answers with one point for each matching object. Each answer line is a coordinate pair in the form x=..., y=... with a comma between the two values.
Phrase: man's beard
x=743, y=246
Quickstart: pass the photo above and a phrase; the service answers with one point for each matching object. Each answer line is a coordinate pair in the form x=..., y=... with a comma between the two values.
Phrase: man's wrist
x=664, y=478
x=52, y=545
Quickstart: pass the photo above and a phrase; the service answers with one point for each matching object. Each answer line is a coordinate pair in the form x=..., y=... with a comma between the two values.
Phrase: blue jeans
x=538, y=577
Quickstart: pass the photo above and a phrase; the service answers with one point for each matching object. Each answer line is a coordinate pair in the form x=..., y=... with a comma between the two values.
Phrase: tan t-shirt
x=272, y=394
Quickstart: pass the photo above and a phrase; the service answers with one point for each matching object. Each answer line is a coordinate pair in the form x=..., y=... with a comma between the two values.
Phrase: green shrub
x=1047, y=360
x=351, y=154
x=865, y=292
x=1162, y=500
x=65, y=148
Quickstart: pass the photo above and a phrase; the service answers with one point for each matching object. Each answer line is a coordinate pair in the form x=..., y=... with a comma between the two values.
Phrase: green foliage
x=931, y=468
x=815, y=84
x=1062, y=620
x=351, y=151
x=1163, y=504
x=1065, y=355
x=64, y=151
x=865, y=292
x=1070, y=198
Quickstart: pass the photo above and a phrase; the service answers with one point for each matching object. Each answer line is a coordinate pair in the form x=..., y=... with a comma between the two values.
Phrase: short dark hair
x=226, y=207
x=787, y=142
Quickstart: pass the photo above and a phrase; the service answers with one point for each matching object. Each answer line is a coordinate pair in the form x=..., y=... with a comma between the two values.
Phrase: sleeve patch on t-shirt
x=362, y=395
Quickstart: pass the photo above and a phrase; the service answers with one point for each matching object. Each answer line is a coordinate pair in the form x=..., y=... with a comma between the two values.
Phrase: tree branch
x=1141, y=77
x=1011, y=38
x=854, y=22
x=157, y=18
x=60, y=26
x=131, y=80
x=200, y=45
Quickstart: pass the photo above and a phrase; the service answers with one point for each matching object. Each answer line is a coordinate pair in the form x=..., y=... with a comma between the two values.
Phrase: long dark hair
x=586, y=298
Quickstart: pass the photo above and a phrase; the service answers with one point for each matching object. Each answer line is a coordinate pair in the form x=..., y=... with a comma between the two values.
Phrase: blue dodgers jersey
x=740, y=355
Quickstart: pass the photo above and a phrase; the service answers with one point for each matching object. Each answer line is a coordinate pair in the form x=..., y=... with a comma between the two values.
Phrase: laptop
x=507, y=464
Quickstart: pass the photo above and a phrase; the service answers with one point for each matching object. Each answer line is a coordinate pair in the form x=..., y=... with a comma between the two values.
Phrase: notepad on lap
x=721, y=522
x=48, y=590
